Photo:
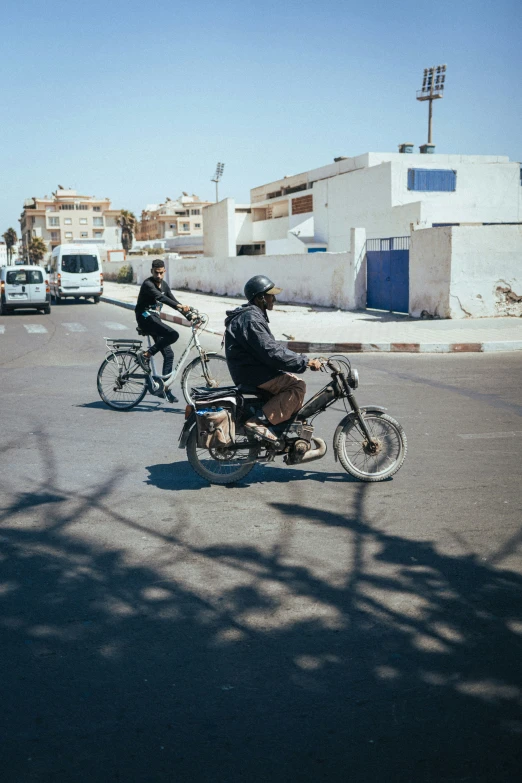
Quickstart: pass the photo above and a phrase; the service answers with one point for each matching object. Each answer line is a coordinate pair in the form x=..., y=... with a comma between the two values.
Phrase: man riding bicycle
x=255, y=358
x=154, y=293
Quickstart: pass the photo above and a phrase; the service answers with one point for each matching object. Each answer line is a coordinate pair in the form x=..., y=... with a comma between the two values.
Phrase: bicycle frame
x=169, y=379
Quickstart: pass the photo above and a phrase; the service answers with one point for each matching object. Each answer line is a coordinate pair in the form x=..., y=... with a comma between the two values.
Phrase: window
x=96, y=209
x=66, y=206
x=197, y=225
x=54, y=235
x=54, y=221
x=35, y=276
x=67, y=221
x=79, y=264
x=82, y=206
x=97, y=221
x=68, y=234
x=83, y=221
x=302, y=205
x=84, y=234
x=98, y=234
x=195, y=212
x=432, y=180
x=185, y=226
x=16, y=277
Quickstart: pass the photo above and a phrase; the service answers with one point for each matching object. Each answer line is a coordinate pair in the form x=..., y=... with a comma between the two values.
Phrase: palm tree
x=10, y=241
x=37, y=250
x=127, y=221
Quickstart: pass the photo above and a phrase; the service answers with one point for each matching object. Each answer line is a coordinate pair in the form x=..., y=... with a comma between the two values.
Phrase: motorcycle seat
x=254, y=391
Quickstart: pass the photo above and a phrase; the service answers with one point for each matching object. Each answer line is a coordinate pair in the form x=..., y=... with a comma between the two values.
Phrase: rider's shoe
x=170, y=397
x=143, y=361
x=257, y=428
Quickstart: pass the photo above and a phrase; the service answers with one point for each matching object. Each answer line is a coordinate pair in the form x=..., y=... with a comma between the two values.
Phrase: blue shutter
x=432, y=179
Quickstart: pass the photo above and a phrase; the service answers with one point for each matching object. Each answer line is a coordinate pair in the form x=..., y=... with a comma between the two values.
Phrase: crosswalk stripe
x=35, y=328
x=114, y=325
x=75, y=327
x=2, y=329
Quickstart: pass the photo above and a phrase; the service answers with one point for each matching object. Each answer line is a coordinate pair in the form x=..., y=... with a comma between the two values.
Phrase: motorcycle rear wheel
x=354, y=452
x=220, y=471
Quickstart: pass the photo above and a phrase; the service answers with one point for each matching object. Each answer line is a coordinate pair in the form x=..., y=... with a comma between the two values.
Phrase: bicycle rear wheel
x=121, y=381
x=210, y=374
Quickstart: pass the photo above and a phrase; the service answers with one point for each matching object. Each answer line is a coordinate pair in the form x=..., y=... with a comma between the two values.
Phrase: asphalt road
x=301, y=626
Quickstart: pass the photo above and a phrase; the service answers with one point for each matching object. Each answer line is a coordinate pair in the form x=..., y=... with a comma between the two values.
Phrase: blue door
x=387, y=274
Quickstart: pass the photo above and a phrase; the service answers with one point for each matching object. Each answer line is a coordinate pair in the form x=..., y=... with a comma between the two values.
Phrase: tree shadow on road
x=333, y=651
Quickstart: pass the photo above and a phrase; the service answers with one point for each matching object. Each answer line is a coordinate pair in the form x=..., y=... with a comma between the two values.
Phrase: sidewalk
x=307, y=328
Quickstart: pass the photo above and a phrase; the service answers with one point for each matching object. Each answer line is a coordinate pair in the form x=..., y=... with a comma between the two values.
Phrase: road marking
x=2, y=329
x=35, y=328
x=484, y=435
x=75, y=327
x=114, y=325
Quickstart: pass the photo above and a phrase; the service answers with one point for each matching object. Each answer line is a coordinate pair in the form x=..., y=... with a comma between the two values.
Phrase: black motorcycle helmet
x=260, y=284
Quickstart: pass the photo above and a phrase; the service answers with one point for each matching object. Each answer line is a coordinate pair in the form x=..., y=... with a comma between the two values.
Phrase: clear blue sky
x=137, y=101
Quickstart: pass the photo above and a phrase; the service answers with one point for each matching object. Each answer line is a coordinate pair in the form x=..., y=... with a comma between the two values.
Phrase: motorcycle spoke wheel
x=235, y=465
x=209, y=374
x=121, y=381
x=355, y=453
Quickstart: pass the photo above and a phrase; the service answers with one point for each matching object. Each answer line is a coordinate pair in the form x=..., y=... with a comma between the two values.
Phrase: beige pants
x=289, y=392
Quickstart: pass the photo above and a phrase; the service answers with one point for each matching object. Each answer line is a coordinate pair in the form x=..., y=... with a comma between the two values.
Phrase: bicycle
x=122, y=383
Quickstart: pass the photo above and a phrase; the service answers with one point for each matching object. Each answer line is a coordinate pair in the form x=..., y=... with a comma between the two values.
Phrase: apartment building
x=387, y=194
x=182, y=217
x=66, y=216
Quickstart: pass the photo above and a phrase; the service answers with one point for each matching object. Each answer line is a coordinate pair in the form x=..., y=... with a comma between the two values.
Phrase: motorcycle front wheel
x=369, y=462
x=221, y=465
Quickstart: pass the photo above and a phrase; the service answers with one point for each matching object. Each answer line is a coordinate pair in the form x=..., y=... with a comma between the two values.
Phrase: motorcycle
x=369, y=444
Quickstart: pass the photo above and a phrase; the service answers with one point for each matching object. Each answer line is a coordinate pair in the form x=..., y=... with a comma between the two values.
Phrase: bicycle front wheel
x=210, y=374
x=121, y=381
x=360, y=459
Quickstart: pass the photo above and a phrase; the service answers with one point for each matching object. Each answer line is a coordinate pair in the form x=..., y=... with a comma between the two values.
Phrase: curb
x=307, y=347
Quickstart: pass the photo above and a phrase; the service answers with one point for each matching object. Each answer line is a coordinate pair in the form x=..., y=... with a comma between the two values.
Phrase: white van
x=75, y=270
x=24, y=286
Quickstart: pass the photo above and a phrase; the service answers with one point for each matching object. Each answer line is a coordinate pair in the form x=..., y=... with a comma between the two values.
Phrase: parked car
x=24, y=286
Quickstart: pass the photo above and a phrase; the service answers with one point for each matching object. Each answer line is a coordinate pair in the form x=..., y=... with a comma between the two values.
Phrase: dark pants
x=164, y=336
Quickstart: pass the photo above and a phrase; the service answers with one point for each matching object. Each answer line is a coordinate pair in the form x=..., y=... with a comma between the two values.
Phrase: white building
x=182, y=217
x=66, y=217
x=387, y=194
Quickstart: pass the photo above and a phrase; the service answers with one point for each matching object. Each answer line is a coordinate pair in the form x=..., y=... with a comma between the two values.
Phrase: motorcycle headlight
x=353, y=379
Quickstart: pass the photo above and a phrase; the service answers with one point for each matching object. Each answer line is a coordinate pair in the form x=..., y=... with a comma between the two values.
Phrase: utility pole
x=217, y=177
x=432, y=88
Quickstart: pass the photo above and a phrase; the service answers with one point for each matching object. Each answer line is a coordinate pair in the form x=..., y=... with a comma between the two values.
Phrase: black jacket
x=253, y=354
x=151, y=297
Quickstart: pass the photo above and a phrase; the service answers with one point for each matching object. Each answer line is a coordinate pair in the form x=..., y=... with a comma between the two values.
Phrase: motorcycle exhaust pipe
x=316, y=453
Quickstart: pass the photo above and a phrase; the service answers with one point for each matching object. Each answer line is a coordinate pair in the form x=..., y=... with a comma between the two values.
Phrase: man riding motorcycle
x=255, y=358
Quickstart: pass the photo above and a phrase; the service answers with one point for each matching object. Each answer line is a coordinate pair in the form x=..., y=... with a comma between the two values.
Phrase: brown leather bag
x=215, y=428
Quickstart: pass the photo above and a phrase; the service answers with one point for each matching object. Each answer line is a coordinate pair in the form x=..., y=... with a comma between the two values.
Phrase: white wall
x=466, y=271
x=359, y=198
x=264, y=230
x=219, y=228
x=328, y=279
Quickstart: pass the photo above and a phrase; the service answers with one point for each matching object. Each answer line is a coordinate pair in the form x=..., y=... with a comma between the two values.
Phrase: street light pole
x=217, y=177
x=432, y=88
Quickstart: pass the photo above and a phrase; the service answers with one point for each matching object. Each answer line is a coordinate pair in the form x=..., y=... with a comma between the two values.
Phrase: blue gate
x=387, y=274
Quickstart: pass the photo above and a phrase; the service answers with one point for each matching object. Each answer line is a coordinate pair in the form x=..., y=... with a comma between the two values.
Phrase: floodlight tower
x=432, y=88
x=217, y=177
